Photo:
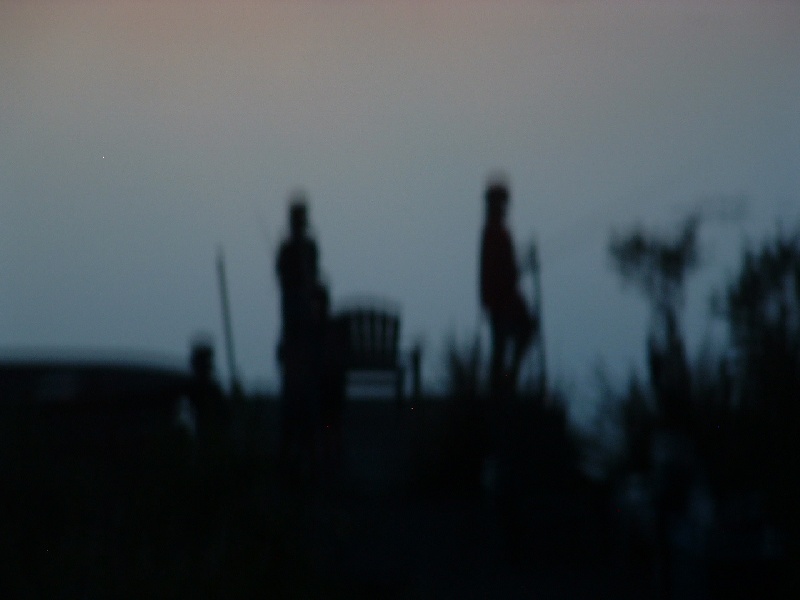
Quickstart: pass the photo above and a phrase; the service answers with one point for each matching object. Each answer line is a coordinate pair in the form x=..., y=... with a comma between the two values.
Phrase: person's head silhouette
x=298, y=215
x=497, y=197
x=202, y=360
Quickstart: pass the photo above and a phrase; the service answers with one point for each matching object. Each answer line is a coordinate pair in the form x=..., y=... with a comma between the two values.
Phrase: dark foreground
x=407, y=511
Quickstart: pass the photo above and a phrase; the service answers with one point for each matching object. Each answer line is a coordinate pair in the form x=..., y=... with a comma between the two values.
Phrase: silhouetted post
x=212, y=414
x=416, y=376
x=226, y=323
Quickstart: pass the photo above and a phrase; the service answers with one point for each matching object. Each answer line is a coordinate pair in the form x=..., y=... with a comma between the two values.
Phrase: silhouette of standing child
x=511, y=324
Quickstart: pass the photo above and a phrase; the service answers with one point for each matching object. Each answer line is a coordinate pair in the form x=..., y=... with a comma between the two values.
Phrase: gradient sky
x=137, y=137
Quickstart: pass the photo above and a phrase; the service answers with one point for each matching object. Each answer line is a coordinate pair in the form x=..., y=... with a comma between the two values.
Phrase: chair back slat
x=373, y=338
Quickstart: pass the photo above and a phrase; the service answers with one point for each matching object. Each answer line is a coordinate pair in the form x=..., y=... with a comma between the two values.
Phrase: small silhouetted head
x=298, y=215
x=497, y=197
x=202, y=359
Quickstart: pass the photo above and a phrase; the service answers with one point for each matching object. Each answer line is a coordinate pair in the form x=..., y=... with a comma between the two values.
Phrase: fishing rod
x=534, y=267
x=226, y=321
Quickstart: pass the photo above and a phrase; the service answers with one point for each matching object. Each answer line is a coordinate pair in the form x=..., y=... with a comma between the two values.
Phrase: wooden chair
x=371, y=348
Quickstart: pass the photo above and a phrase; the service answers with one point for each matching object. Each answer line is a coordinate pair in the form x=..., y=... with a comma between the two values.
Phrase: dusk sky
x=138, y=137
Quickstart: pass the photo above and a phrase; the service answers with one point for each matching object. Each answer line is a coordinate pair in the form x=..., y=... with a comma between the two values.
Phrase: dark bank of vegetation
x=740, y=409
x=713, y=444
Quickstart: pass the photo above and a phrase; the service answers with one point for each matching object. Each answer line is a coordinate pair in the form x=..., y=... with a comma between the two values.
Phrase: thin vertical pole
x=226, y=320
x=533, y=262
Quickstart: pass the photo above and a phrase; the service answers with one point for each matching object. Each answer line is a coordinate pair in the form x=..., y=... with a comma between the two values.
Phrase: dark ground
x=403, y=516
x=389, y=528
